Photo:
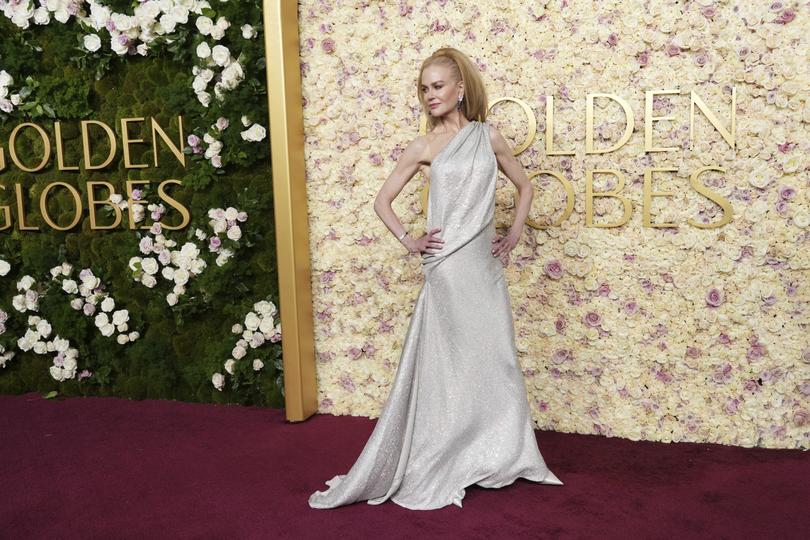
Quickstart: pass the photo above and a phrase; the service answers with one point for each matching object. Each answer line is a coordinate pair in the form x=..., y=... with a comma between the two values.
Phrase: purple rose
x=561, y=355
x=193, y=140
x=328, y=45
x=672, y=50
x=89, y=309
x=592, y=319
x=554, y=269
x=214, y=243
x=714, y=297
x=787, y=193
x=85, y=373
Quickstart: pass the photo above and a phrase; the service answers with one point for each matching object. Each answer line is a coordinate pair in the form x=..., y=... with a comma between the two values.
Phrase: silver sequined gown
x=457, y=413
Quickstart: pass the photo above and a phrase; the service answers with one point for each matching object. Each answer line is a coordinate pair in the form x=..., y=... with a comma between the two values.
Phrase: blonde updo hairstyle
x=474, y=103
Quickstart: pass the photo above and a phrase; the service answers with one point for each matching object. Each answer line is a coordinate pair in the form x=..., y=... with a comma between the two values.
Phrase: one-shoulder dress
x=457, y=413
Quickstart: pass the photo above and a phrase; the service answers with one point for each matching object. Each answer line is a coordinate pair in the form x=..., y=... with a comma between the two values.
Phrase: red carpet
x=114, y=468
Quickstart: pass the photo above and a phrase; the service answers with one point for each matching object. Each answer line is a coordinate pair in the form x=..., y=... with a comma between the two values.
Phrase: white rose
x=41, y=16
x=120, y=317
x=69, y=286
x=40, y=347
x=44, y=328
x=255, y=133
x=181, y=276
x=148, y=280
x=122, y=339
x=248, y=32
x=92, y=42
x=801, y=219
x=266, y=326
x=221, y=55
x=252, y=321
x=18, y=302
x=102, y=319
x=238, y=352
x=218, y=379
x=204, y=25
x=235, y=233
x=107, y=304
x=133, y=335
x=229, y=365
x=168, y=273
x=204, y=98
x=257, y=364
x=171, y=299
x=4, y=267
x=203, y=50
x=150, y=266
x=107, y=330
x=77, y=303
x=25, y=283
x=231, y=213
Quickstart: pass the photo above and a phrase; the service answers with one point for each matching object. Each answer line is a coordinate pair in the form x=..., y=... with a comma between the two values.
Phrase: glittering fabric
x=457, y=413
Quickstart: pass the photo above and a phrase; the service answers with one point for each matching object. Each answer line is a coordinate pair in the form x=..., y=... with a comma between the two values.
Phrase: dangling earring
x=458, y=105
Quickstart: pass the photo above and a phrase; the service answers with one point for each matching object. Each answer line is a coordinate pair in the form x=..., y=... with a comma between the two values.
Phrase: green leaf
x=50, y=395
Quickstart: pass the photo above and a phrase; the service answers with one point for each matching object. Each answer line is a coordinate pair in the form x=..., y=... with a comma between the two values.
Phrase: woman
x=457, y=413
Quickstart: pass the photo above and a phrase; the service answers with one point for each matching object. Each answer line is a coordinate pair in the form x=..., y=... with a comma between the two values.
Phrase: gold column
x=290, y=203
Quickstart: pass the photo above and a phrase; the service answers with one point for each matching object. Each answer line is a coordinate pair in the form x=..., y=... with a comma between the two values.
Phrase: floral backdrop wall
x=176, y=298
x=667, y=334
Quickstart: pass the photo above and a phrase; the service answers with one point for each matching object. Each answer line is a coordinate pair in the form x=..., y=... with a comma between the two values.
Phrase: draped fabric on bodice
x=458, y=412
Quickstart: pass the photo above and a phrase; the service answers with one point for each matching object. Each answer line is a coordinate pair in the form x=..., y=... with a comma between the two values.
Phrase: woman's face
x=440, y=92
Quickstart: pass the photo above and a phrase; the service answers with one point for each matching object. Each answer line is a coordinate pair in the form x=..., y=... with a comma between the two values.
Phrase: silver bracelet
x=403, y=236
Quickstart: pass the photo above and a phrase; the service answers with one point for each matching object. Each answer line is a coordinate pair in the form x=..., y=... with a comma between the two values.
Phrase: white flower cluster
x=212, y=58
x=7, y=101
x=223, y=222
x=5, y=356
x=179, y=265
x=132, y=34
x=64, y=363
x=22, y=12
x=259, y=328
x=89, y=293
x=212, y=152
x=254, y=133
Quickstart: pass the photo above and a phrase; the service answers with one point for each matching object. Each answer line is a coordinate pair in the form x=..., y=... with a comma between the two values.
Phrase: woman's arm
x=406, y=168
x=513, y=169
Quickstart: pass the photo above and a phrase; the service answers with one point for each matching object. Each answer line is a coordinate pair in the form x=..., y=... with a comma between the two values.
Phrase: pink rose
x=714, y=297
x=554, y=269
x=328, y=45
x=592, y=319
x=672, y=50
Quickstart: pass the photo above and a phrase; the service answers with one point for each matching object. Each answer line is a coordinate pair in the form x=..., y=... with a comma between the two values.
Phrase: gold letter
x=92, y=203
x=6, y=213
x=648, y=197
x=728, y=212
x=177, y=151
x=176, y=204
x=569, y=200
x=589, y=195
x=729, y=137
x=628, y=125
x=649, y=119
x=126, y=141
x=86, y=144
x=550, y=130
x=60, y=158
x=21, y=209
x=43, y=206
x=46, y=154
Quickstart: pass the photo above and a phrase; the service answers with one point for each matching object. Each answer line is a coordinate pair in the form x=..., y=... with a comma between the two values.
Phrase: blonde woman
x=457, y=413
